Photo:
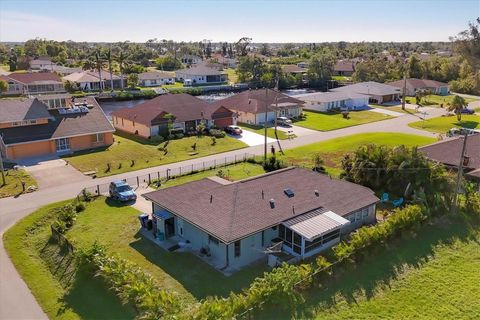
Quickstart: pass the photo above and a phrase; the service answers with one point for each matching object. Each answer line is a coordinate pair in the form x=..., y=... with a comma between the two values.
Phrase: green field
x=443, y=124
x=146, y=154
x=233, y=172
x=261, y=130
x=333, y=121
x=13, y=179
x=332, y=151
x=434, y=100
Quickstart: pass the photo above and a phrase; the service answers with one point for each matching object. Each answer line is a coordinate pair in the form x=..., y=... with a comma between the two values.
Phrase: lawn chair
x=397, y=203
x=385, y=198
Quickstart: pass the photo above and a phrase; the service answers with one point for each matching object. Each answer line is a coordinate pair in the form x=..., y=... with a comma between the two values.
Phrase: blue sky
x=264, y=21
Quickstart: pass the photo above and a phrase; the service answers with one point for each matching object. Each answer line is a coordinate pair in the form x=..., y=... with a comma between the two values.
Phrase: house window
x=98, y=137
x=237, y=248
x=364, y=212
x=62, y=144
x=212, y=239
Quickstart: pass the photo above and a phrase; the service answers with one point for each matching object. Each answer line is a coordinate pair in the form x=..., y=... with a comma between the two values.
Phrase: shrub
x=176, y=131
x=79, y=207
x=157, y=139
x=217, y=133
x=179, y=135
x=214, y=141
x=169, y=137
x=272, y=164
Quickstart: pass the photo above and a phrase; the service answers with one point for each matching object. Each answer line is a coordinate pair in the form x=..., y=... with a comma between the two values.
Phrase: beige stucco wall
x=131, y=127
x=30, y=149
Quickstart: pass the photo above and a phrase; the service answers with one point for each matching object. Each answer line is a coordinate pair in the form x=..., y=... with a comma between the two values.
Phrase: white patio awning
x=315, y=224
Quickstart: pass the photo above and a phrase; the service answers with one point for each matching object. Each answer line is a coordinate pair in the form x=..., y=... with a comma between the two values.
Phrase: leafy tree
x=122, y=59
x=250, y=69
x=168, y=63
x=132, y=80
x=414, y=67
x=71, y=87
x=457, y=105
x=320, y=70
x=3, y=86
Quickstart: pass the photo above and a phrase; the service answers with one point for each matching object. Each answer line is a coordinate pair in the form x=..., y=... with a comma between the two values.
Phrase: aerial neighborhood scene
x=239, y=159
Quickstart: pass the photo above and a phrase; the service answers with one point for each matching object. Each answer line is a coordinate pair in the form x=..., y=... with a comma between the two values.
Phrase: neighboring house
x=32, y=83
x=41, y=63
x=150, y=118
x=448, y=152
x=250, y=105
x=293, y=69
x=378, y=92
x=234, y=223
x=28, y=128
x=344, y=68
x=328, y=101
x=155, y=78
x=64, y=71
x=414, y=85
x=189, y=59
x=89, y=80
x=201, y=75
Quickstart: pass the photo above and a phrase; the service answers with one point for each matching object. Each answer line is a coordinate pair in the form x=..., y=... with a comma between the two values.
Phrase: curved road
x=16, y=300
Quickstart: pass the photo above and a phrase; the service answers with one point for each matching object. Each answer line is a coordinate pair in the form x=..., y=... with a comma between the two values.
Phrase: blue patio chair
x=385, y=198
x=397, y=203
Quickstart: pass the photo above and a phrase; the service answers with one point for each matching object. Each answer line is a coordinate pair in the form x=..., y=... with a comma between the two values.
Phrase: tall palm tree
x=108, y=56
x=121, y=58
x=99, y=64
x=457, y=105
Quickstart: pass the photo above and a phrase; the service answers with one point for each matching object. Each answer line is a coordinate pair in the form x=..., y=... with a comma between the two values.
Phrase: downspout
x=228, y=259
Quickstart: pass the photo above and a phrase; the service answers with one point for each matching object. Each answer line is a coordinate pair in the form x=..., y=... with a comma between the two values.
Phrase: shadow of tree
x=467, y=124
x=378, y=269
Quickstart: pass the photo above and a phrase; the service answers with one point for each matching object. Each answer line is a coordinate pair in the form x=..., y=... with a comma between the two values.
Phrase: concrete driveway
x=252, y=138
x=52, y=171
x=297, y=131
x=387, y=112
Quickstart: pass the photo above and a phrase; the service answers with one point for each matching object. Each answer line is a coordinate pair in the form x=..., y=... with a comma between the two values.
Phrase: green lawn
x=434, y=100
x=13, y=184
x=62, y=293
x=333, y=121
x=232, y=75
x=332, y=151
x=174, y=85
x=233, y=172
x=261, y=130
x=341, y=78
x=443, y=124
x=146, y=154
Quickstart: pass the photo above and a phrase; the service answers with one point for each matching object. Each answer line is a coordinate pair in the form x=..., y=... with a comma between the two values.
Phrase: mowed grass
x=332, y=151
x=443, y=124
x=63, y=295
x=434, y=100
x=333, y=121
x=147, y=154
x=261, y=131
x=117, y=227
x=13, y=182
x=233, y=172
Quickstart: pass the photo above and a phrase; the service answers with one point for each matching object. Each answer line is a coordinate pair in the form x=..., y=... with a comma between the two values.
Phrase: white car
x=284, y=121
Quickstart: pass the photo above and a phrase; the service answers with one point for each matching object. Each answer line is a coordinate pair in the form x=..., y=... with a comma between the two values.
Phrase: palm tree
x=108, y=56
x=99, y=64
x=121, y=59
x=457, y=105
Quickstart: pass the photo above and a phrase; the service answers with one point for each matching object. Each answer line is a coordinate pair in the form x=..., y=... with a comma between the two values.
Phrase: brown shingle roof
x=22, y=109
x=292, y=68
x=344, y=66
x=62, y=125
x=238, y=210
x=32, y=77
x=414, y=83
x=183, y=106
x=448, y=151
x=253, y=101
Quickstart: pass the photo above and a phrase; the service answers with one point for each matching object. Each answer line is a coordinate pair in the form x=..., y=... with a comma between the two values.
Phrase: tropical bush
x=272, y=164
x=217, y=133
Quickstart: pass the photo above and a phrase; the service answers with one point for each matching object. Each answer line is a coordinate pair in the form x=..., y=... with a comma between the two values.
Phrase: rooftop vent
x=317, y=193
x=272, y=203
x=289, y=192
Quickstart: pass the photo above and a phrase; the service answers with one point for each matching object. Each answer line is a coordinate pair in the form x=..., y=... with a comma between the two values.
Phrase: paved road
x=16, y=301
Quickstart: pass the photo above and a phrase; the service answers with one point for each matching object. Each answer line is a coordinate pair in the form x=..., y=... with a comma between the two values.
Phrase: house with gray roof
x=292, y=212
x=378, y=92
x=413, y=85
x=328, y=101
x=31, y=128
x=155, y=78
x=201, y=74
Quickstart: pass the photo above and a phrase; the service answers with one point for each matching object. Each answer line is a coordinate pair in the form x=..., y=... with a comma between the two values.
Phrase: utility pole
x=404, y=91
x=265, y=123
x=460, y=174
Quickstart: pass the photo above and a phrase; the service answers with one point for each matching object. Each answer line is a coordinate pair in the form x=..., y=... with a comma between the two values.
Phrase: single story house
x=63, y=71
x=189, y=59
x=250, y=105
x=414, y=85
x=41, y=63
x=201, y=75
x=298, y=212
x=448, y=152
x=90, y=80
x=31, y=83
x=293, y=69
x=378, y=92
x=328, y=101
x=155, y=78
x=29, y=128
x=344, y=68
x=150, y=119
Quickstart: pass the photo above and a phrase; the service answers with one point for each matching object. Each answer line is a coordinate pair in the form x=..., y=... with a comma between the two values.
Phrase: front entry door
x=169, y=228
